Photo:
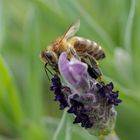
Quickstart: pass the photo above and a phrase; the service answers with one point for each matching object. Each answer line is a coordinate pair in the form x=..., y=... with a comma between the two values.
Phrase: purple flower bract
x=74, y=72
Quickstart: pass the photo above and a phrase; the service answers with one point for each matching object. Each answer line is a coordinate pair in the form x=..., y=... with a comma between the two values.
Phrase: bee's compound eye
x=48, y=55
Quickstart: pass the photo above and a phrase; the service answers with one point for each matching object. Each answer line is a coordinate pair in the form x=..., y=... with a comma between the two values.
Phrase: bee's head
x=48, y=57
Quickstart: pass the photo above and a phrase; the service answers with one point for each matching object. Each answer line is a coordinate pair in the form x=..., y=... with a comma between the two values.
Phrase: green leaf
x=35, y=131
x=2, y=20
x=10, y=104
x=33, y=67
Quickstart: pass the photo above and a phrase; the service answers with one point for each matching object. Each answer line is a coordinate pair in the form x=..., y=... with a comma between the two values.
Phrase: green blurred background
x=27, y=109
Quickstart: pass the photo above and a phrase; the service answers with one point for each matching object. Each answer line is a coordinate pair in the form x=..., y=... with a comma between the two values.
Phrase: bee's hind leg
x=93, y=68
x=74, y=53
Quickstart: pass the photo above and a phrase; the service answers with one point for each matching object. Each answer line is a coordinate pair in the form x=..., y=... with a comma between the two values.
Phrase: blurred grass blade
x=68, y=129
x=82, y=134
x=9, y=96
x=33, y=131
x=48, y=4
x=129, y=26
x=33, y=84
x=92, y=23
x=2, y=33
x=123, y=64
x=56, y=6
x=73, y=131
x=5, y=138
x=61, y=131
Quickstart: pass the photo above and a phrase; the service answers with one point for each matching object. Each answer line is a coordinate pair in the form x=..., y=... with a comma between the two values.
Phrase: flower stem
x=55, y=137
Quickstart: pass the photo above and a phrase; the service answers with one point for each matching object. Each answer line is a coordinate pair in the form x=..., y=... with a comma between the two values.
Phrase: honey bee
x=71, y=44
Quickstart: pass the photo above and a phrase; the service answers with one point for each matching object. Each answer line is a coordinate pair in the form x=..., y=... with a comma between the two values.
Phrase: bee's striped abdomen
x=83, y=45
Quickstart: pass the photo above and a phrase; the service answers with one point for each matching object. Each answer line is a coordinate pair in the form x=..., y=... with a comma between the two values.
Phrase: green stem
x=68, y=130
x=60, y=126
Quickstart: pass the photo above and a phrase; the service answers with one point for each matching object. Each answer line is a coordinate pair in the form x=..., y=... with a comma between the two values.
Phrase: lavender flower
x=91, y=102
x=74, y=73
x=61, y=92
x=106, y=92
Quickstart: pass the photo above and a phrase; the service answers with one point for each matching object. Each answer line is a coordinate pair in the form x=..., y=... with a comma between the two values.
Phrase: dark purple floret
x=59, y=91
x=78, y=109
x=107, y=92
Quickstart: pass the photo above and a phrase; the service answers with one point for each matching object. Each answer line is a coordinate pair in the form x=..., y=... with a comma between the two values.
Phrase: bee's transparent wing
x=72, y=30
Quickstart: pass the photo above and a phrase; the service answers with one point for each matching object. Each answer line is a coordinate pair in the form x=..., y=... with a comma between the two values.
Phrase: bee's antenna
x=47, y=70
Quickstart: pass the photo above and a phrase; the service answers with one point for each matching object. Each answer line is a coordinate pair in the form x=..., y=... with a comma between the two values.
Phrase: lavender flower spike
x=91, y=102
x=74, y=72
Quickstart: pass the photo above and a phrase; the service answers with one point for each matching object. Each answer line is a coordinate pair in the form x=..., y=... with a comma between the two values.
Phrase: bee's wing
x=72, y=30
